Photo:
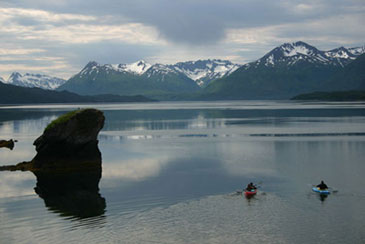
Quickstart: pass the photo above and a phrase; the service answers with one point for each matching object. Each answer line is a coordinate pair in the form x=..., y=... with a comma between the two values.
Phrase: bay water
x=172, y=172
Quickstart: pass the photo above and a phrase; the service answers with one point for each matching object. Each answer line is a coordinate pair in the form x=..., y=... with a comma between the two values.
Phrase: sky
x=59, y=37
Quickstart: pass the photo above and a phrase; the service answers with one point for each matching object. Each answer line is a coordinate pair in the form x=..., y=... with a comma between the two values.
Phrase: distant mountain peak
x=35, y=80
x=357, y=50
x=139, y=67
x=340, y=52
x=141, y=62
x=91, y=64
x=15, y=74
x=297, y=48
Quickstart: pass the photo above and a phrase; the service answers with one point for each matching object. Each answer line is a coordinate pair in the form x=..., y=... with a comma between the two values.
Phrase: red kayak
x=251, y=192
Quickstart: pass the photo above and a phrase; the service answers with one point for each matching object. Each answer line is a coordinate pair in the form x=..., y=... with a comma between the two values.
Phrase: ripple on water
x=221, y=219
x=267, y=218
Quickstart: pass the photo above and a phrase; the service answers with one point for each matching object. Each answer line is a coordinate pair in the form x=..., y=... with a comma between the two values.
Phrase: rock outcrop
x=8, y=144
x=70, y=143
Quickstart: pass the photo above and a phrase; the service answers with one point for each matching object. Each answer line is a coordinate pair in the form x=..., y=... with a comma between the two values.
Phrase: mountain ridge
x=12, y=94
x=201, y=71
x=291, y=53
x=128, y=79
x=285, y=71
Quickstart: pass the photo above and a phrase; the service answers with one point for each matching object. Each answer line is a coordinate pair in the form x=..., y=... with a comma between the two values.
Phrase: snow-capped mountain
x=290, y=69
x=35, y=80
x=298, y=52
x=204, y=71
x=129, y=79
x=137, y=68
x=2, y=80
x=357, y=50
x=201, y=71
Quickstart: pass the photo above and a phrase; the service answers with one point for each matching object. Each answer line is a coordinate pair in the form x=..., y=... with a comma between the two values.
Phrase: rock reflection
x=7, y=144
x=74, y=194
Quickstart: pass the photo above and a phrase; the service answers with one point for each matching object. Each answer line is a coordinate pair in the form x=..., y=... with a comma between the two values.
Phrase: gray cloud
x=198, y=22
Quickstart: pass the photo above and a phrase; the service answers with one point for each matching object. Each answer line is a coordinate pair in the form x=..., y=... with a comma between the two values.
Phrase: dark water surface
x=171, y=170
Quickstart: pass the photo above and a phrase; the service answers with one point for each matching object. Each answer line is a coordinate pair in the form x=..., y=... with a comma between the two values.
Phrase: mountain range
x=285, y=71
x=289, y=70
x=143, y=78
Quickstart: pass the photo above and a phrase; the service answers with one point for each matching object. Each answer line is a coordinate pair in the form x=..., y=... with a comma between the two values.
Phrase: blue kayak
x=316, y=189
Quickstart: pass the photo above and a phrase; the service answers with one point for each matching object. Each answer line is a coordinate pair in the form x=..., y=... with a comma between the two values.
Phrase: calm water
x=171, y=170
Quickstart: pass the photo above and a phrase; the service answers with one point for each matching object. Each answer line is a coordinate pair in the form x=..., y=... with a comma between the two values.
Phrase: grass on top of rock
x=62, y=119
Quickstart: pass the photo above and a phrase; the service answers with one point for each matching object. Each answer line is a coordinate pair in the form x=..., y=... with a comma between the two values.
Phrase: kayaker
x=322, y=186
x=250, y=187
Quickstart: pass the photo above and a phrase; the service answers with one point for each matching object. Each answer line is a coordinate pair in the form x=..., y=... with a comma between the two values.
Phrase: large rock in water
x=70, y=143
x=68, y=164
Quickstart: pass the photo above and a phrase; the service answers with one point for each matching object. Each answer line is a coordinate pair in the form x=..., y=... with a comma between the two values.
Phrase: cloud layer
x=59, y=37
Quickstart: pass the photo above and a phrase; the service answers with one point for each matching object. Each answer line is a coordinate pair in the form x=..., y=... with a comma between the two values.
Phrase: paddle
x=333, y=190
x=258, y=185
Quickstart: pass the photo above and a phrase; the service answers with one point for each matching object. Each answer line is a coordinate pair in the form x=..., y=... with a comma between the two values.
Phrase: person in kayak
x=250, y=187
x=322, y=186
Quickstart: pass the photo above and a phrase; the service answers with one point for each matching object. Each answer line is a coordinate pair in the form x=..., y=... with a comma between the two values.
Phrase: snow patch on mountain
x=340, y=53
x=357, y=50
x=160, y=69
x=2, y=80
x=291, y=50
x=35, y=80
x=204, y=71
x=139, y=67
x=270, y=60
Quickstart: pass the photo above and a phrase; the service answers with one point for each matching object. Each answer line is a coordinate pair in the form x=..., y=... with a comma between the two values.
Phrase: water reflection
x=322, y=197
x=249, y=197
x=7, y=144
x=164, y=170
x=74, y=194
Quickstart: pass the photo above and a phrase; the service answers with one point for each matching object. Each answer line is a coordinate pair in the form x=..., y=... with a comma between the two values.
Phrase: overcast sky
x=58, y=37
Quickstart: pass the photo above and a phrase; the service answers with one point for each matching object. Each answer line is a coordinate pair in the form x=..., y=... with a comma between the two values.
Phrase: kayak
x=251, y=192
x=324, y=192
